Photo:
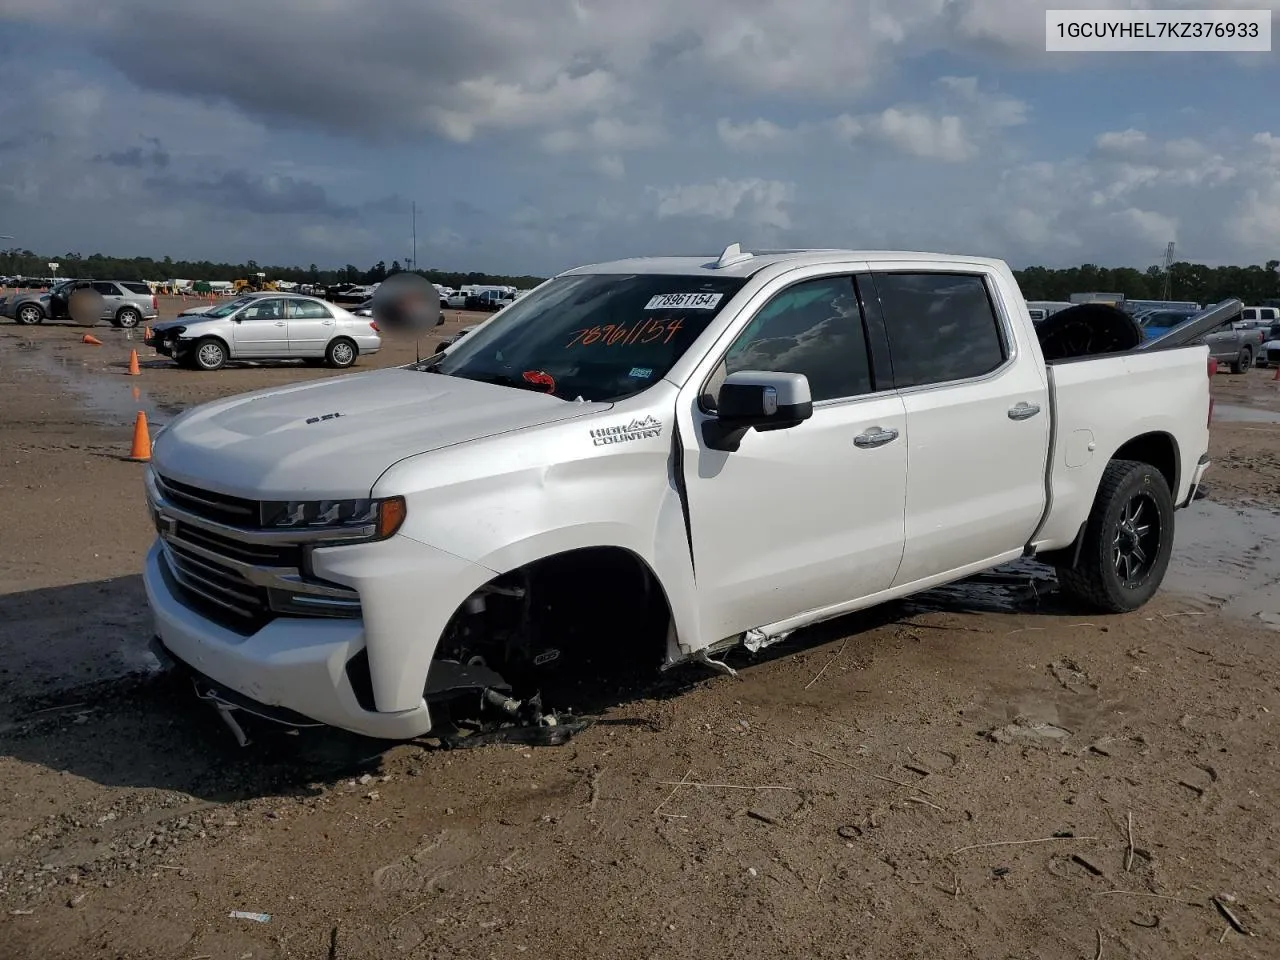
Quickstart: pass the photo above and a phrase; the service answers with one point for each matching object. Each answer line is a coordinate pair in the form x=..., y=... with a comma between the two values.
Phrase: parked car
x=280, y=327
x=1154, y=323
x=349, y=293
x=1234, y=343
x=1269, y=355
x=666, y=458
x=125, y=303
x=446, y=344
x=204, y=308
x=489, y=301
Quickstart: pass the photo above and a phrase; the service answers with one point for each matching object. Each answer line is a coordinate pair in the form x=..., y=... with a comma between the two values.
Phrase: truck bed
x=1102, y=402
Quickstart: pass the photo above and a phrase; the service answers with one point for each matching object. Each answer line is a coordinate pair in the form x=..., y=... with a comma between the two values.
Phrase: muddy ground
x=979, y=773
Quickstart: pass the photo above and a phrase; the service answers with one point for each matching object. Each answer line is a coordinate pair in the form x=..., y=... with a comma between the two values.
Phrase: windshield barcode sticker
x=684, y=301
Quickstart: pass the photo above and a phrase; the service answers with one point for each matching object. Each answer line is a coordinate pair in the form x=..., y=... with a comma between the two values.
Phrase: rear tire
x=1128, y=540
x=341, y=353
x=1242, y=363
x=128, y=318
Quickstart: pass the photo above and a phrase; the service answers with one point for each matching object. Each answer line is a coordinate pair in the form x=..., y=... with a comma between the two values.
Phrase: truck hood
x=334, y=438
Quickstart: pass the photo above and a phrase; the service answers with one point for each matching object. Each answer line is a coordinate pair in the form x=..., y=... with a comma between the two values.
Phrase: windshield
x=226, y=309
x=601, y=337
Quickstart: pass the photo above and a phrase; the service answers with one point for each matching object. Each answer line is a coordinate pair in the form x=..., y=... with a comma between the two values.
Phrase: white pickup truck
x=661, y=458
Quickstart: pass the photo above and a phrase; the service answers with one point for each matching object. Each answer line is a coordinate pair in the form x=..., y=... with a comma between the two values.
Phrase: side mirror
x=759, y=400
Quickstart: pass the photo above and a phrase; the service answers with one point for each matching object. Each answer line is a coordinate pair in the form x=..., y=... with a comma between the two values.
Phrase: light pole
x=54, y=268
x=413, y=259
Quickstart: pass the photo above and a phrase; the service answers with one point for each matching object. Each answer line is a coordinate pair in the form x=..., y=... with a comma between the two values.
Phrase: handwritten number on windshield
x=615, y=334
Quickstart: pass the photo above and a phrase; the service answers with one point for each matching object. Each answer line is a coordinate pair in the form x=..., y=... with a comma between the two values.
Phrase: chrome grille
x=263, y=554
x=219, y=507
x=219, y=587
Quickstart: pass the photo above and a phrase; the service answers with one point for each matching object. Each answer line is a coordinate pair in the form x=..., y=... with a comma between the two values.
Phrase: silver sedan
x=284, y=327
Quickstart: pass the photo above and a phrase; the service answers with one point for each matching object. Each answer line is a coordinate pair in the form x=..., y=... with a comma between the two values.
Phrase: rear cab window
x=942, y=327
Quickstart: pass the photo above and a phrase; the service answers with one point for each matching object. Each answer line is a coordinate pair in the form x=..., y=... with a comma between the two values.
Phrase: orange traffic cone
x=1277, y=376
x=93, y=341
x=133, y=363
x=146, y=333
x=141, y=451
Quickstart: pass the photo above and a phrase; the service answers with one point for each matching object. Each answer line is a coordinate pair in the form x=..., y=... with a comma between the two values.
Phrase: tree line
x=1186, y=281
x=97, y=266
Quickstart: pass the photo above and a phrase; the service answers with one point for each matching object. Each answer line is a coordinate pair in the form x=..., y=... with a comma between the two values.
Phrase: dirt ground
x=982, y=772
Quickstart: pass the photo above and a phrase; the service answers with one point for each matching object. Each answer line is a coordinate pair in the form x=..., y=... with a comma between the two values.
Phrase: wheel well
x=597, y=611
x=195, y=345
x=342, y=336
x=1159, y=450
x=128, y=306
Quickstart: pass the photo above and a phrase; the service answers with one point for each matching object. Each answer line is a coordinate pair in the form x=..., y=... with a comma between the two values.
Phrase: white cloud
x=1121, y=142
x=611, y=166
x=753, y=135
x=604, y=134
x=1139, y=193
x=987, y=107
x=918, y=133
x=752, y=200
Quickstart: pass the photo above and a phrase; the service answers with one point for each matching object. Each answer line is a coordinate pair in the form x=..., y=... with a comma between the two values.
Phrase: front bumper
x=291, y=664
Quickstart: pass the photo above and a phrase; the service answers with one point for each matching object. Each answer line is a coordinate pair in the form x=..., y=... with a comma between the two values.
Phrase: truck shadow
x=80, y=694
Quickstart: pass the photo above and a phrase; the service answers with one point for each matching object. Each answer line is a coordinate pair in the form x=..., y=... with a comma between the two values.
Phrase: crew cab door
x=811, y=516
x=977, y=410
x=261, y=330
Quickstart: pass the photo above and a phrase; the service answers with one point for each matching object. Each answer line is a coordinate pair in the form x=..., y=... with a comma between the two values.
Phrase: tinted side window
x=308, y=310
x=941, y=327
x=814, y=328
x=106, y=288
x=138, y=288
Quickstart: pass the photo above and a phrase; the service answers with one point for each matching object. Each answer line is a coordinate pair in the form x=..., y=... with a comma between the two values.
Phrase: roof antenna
x=732, y=254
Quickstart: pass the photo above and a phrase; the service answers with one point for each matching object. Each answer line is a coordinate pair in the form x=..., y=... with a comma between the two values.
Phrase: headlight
x=386, y=514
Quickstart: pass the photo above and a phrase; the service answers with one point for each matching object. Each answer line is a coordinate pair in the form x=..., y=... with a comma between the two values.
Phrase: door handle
x=328, y=323
x=875, y=437
x=279, y=323
x=1023, y=410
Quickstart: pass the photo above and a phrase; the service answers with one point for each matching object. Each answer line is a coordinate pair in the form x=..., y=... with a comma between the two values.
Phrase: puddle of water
x=107, y=398
x=1231, y=413
x=1230, y=555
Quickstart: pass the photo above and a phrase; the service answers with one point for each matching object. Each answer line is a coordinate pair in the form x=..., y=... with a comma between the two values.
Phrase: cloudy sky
x=539, y=134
